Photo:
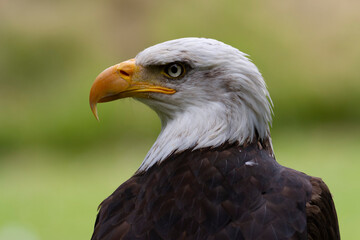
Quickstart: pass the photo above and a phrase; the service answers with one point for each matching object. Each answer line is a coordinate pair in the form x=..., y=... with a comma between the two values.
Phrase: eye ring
x=174, y=70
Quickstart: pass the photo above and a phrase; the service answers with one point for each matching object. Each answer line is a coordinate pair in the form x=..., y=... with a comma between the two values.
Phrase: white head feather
x=222, y=99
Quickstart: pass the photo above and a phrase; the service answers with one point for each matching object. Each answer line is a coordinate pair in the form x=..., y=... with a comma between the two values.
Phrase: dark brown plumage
x=227, y=192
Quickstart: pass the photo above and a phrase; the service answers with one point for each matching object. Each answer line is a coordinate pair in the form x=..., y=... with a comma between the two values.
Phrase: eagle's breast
x=228, y=192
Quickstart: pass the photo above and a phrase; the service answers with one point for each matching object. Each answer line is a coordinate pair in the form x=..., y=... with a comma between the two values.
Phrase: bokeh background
x=57, y=163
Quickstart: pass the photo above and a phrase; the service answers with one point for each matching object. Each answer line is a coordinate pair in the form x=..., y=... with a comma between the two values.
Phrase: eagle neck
x=201, y=128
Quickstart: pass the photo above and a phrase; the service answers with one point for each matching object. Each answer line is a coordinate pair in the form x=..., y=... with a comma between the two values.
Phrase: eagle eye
x=174, y=70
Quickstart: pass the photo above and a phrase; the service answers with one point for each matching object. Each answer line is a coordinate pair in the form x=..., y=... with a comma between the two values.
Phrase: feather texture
x=211, y=193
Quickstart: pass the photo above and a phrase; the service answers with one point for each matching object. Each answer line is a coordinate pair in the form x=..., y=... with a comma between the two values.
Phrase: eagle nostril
x=122, y=72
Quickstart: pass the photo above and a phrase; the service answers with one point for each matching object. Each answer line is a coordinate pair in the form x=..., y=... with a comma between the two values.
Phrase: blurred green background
x=57, y=163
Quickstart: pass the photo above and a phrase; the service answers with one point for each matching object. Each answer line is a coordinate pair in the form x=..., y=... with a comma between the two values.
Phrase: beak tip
x=97, y=118
x=94, y=111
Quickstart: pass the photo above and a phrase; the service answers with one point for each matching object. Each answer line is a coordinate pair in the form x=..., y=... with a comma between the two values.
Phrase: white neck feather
x=207, y=126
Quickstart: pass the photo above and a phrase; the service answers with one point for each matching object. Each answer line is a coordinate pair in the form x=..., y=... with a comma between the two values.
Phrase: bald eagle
x=211, y=174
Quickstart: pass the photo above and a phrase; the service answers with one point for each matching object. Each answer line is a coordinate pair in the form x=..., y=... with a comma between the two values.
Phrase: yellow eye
x=174, y=70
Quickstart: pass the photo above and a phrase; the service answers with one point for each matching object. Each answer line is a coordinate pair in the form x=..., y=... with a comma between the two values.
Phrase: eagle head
x=205, y=92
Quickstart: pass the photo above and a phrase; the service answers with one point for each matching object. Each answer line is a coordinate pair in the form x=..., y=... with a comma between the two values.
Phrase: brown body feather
x=227, y=192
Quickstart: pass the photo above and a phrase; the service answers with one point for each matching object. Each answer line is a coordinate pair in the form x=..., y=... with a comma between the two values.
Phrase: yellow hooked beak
x=120, y=81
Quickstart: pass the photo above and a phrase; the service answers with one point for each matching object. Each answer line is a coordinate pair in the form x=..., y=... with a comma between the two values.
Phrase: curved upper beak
x=118, y=81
